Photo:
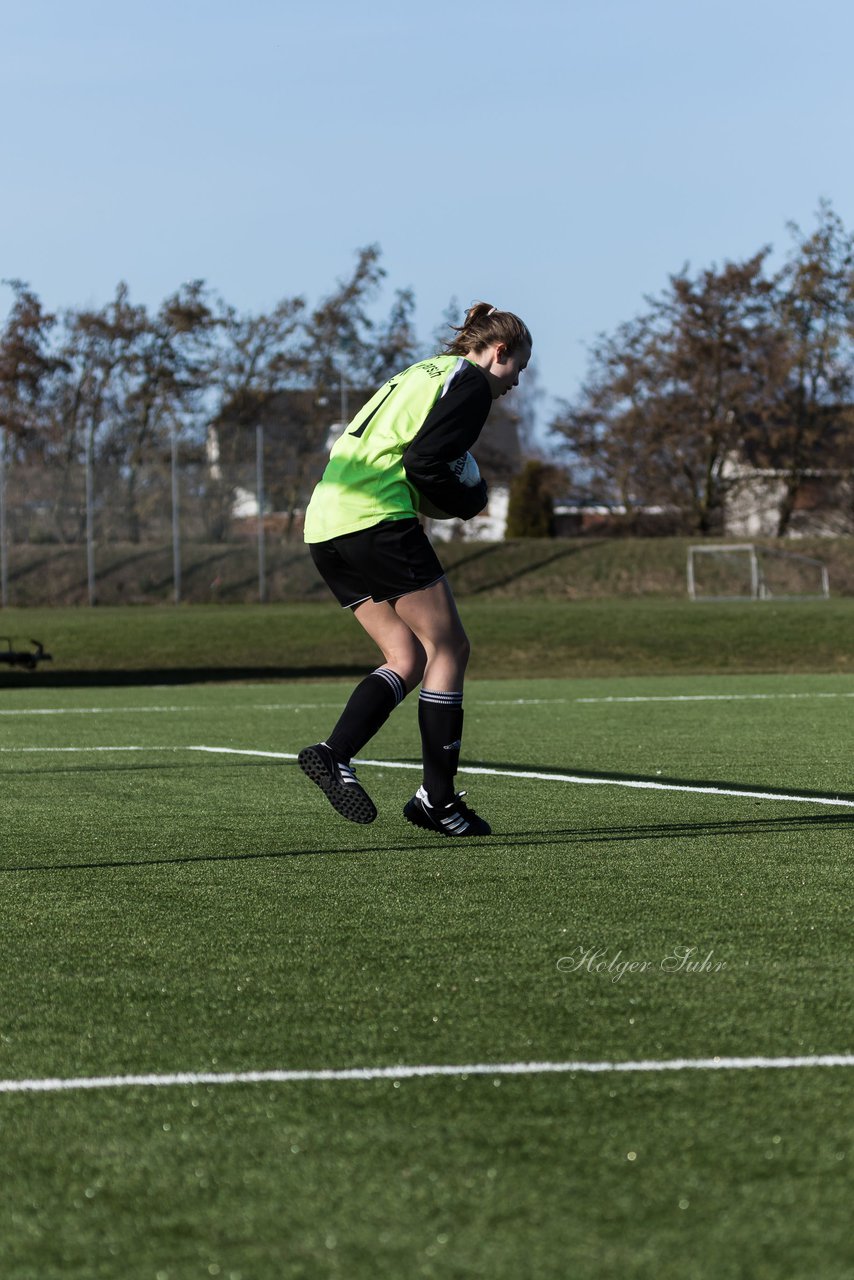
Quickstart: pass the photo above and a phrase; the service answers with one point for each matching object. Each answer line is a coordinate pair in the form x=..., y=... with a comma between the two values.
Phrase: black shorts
x=381, y=563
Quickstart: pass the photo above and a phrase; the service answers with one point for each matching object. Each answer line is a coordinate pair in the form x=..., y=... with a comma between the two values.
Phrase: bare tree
x=262, y=358
x=723, y=364
x=394, y=343
x=814, y=427
x=26, y=364
x=615, y=429
x=670, y=395
x=339, y=346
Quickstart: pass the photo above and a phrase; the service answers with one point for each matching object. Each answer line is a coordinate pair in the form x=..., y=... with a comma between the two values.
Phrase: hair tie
x=491, y=310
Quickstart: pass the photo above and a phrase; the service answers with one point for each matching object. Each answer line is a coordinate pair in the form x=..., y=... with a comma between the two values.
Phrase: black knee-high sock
x=369, y=706
x=440, y=719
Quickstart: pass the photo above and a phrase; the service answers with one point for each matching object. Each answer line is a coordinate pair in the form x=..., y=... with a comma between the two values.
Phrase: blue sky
x=558, y=158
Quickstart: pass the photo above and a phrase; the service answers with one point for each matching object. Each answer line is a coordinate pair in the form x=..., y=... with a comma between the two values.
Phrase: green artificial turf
x=169, y=910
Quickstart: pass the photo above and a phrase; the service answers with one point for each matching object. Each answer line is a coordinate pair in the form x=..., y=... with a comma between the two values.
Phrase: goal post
x=747, y=571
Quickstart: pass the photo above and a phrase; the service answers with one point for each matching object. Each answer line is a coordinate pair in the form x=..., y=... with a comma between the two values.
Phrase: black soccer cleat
x=453, y=819
x=338, y=782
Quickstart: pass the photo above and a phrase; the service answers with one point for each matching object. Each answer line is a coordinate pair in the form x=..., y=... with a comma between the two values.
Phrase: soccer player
x=366, y=540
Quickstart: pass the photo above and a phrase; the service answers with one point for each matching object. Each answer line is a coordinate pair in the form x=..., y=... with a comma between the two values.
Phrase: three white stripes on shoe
x=455, y=822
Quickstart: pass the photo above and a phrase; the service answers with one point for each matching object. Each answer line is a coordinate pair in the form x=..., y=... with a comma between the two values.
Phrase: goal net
x=745, y=571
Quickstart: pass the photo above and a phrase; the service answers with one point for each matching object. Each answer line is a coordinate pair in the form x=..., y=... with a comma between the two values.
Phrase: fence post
x=259, y=487
x=755, y=576
x=344, y=410
x=90, y=516
x=176, y=516
x=4, y=549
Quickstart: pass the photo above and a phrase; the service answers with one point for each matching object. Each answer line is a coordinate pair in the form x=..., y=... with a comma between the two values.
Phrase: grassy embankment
x=559, y=569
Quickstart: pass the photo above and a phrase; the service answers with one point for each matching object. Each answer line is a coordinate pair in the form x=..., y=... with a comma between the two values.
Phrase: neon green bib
x=364, y=481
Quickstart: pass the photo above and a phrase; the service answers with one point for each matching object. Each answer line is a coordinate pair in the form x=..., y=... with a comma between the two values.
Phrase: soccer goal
x=745, y=571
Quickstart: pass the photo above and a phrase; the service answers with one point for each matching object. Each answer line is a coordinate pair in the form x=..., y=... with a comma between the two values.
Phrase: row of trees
x=726, y=373
x=116, y=387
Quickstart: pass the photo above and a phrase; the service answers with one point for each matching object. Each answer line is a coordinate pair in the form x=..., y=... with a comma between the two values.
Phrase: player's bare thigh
x=420, y=635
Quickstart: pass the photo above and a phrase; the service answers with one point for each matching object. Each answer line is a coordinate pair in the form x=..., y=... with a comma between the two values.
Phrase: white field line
x=88, y=711
x=716, y=697
x=104, y=711
x=481, y=702
x=48, y=750
x=658, y=697
x=636, y=784
x=59, y=1085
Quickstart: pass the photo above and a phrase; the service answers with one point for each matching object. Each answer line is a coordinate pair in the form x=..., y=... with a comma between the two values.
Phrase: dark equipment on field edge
x=29, y=658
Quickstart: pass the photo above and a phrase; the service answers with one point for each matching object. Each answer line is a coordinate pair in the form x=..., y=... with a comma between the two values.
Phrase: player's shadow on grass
x=499, y=840
x=45, y=679
x=526, y=570
x=178, y=761
x=680, y=830
x=256, y=855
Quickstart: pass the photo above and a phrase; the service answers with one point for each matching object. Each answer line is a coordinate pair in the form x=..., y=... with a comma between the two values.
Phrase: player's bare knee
x=412, y=672
x=419, y=663
x=408, y=661
x=461, y=647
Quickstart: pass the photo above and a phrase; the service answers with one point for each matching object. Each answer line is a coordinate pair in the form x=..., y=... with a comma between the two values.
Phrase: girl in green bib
x=401, y=455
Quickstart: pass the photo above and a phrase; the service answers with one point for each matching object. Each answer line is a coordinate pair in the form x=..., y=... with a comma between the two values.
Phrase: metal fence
x=175, y=498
